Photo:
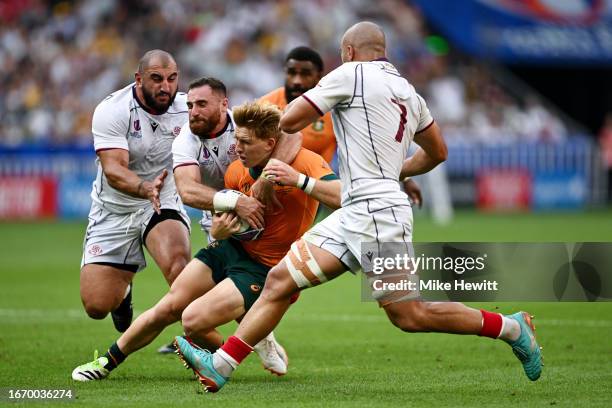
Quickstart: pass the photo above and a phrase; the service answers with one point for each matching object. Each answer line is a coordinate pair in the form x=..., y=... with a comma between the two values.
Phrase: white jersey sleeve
x=425, y=118
x=110, y=127
x=185, y=148
x=334, y=88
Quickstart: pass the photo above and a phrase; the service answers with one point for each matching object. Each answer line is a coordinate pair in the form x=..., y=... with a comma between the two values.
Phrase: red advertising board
x=28, y=197
x=504, y=190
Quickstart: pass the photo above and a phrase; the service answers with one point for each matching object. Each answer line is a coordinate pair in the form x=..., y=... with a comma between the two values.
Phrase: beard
x=293, y=92
x=202, y=128
x=152, y=103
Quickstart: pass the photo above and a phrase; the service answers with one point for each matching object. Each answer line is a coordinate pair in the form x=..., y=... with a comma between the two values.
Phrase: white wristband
x=310, y=186
x=224, y=202
x=301, y=180
x=305, y=183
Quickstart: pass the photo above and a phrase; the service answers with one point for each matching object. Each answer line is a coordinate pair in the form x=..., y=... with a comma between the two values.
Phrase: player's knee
x=279, y=284
x=96, y=310
x=192, y=322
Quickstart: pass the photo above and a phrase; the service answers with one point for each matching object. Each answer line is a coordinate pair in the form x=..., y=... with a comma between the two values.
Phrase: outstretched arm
x=115, y=167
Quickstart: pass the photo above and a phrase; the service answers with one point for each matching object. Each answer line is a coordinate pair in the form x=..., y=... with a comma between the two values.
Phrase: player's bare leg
x=260, y=320
x=195, y=280
x=446, y=317
x=169, y=245
x=275, y=298
x=103, y=288
x=452, y=317
x=220, y=305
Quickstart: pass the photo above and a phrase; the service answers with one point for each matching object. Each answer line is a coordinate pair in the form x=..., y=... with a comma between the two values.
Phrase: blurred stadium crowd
x=60, y=58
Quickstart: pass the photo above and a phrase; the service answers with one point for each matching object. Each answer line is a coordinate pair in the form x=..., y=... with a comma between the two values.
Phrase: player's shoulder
x=185, y=135
x=116, y=103
x=276, y=97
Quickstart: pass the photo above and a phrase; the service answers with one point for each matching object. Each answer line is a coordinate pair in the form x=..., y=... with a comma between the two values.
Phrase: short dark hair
x=215, y=84
x=306, y=54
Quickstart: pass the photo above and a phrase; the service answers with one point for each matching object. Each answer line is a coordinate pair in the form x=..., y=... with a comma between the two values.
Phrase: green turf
x=343, y=352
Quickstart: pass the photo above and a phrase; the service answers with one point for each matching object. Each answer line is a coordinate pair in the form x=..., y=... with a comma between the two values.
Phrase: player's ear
x=138, y=78
x=224, y=104
x=271, y=143
x=351, y=53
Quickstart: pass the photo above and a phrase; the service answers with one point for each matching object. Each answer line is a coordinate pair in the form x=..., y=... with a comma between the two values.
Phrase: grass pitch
x=342, y=352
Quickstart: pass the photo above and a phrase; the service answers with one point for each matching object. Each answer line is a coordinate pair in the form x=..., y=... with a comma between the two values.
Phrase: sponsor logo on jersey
x=370, y=254
x=154, y=125
x=136, y=133
x=95, y=250
x=216, y=150
x=213, y=244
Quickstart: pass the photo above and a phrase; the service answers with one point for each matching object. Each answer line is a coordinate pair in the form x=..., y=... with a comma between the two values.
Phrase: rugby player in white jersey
x=202, y=152
x=376, y=113
x=134, y=202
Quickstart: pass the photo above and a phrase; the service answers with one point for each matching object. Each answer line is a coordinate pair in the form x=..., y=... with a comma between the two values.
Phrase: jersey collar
x=255, y=173
x=381, y=59
x=228, y=124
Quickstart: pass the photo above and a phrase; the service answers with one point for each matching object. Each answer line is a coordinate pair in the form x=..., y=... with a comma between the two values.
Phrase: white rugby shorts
x=118, y=238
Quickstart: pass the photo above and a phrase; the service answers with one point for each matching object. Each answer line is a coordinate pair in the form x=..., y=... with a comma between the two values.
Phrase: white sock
x=224, y=363
x=511, y=329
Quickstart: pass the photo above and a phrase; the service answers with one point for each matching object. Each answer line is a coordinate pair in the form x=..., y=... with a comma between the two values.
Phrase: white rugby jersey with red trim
x=376, y=113
x=213, y=155
x=121, y=122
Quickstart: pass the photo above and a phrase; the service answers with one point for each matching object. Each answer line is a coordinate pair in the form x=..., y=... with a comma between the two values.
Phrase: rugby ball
x=246, y=232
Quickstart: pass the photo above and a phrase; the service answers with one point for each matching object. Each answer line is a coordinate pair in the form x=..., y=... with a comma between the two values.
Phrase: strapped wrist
x=224, y=202
x=306, y=183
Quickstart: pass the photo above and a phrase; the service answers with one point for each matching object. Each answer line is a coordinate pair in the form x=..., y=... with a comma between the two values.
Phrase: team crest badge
x=176, y=131
x=231, y=151
x=95, y=250
x=318, y=125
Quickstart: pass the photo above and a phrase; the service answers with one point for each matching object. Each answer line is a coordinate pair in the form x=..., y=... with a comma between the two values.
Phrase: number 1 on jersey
x=402, y=125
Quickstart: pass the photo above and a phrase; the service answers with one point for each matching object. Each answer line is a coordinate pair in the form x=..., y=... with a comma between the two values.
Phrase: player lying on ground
x=376, y=114
x=225, y=279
